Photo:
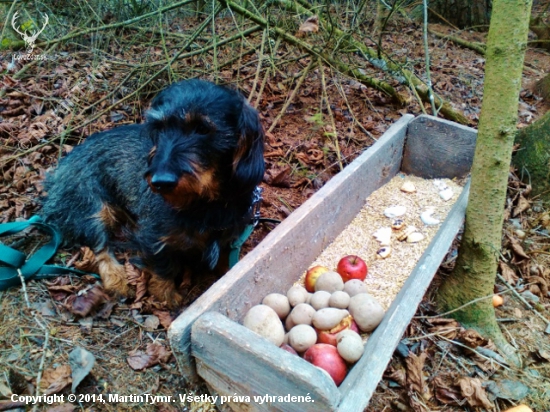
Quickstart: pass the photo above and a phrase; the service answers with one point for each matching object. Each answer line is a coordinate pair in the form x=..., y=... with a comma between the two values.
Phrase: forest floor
x=48, y=107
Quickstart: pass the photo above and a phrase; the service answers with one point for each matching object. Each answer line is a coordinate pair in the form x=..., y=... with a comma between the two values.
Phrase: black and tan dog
x=175, y=190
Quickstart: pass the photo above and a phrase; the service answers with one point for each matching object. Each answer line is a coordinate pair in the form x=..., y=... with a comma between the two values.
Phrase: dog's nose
x=164, y=182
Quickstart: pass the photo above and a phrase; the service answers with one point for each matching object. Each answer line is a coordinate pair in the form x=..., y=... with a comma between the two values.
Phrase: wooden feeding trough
x=254, y=375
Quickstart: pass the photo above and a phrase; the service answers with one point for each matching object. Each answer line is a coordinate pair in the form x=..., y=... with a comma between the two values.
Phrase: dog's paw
x=113, y=276
x=164, y=290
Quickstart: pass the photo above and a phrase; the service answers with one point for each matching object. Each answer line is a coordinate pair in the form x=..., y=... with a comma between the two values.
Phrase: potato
x=354, y=287
x=302, y=314
x=328, y=318
x=296, y=295
x=366, y=311
x=279, y=303
x=339, y=299
x=320, y=299
x=264, y=321
x=302, y=337
x=349, y=345
x=330, y=282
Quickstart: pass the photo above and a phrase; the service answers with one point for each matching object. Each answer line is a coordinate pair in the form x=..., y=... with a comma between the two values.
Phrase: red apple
x=352, y=267
x=329, y=336
x=288, y=348
x=327, y=358
x=311, y=277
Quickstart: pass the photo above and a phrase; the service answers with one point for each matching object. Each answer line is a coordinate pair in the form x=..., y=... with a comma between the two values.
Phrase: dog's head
x=207, y=143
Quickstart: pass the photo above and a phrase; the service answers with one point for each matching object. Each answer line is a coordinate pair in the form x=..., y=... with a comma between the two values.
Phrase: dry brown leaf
x=54, y=380
x=522, y=205
x=445, y=327
x=540, y=283
x=398, y=375
x=87, y=301
x=472, y=339
x=311, y=25
x=473, y=391
x=415, y=376
x=517, y=249
x=88, y=261
x=136, y=278
x=445, y=391
x=154, y=354
x=164, y=317
x=282, y=179
x=508, y=273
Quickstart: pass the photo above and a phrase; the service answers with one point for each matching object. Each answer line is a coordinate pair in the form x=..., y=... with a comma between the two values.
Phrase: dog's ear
x=248, y=160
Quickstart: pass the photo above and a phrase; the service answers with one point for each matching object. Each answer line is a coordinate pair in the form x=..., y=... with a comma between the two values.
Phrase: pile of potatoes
x=313, y=325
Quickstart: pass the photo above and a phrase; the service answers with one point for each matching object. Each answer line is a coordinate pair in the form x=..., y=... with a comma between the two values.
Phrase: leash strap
x=13, y=262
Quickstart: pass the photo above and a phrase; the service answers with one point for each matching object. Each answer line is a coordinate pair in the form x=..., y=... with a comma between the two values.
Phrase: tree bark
x=475, y=270
x=462, y=13
x=533, y=157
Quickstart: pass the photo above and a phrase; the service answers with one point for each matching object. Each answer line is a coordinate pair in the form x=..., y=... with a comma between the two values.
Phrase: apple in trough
x=329, y=336
x=352, y=267
x=312, y=275
x=327, y=358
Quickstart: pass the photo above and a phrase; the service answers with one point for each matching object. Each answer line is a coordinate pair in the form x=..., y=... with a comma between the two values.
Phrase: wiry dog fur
x=176, y=190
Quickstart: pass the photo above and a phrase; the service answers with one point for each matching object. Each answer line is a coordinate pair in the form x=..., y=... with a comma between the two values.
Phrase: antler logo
x=29, y=37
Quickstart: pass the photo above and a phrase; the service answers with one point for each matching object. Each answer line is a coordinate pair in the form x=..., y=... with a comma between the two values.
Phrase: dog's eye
x=202, y=128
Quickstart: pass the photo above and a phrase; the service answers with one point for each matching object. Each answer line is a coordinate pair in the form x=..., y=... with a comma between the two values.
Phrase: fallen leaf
x=415, y=376
x=164, y=317
x=88, y=300
x=517, y=249
x=472, y=390
x=136, y=278
x=151, y=322
x=472, y=339
x=445, y=391
x=88, y=262
x=508, y=273
x=445, y=327
x=541, y=283
x=522, y=205
x=81, y=362
x=398, y=375
x=282, y=179
x=54, y=380
x=311, y=25
x=154, y=354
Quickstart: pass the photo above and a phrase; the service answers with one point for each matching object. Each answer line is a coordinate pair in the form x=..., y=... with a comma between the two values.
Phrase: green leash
x=14, y=264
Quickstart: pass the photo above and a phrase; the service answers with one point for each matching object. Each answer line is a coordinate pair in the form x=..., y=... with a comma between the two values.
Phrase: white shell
x=415, y=237
x=395, y=211
x=427, y=218
x=383, y=252
x=446, y=194
x=440, y=184
x=383, y=235
x=408, y=187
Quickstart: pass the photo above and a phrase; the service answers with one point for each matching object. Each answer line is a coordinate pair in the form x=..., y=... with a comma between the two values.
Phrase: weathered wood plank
x=438, y=148
x=287, y=251
x=362, y=380
x=236, y=361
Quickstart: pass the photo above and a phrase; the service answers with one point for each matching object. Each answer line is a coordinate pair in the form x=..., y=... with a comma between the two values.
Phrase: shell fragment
x=415, y=237
x=397, y=224
x=383, y=252
x=446, y=194
x=428, y=219
x=408, y=187
x=395, y=211
x=383, y=235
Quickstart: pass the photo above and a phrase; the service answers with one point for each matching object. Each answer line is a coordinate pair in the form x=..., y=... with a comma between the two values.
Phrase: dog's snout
x=164, y=182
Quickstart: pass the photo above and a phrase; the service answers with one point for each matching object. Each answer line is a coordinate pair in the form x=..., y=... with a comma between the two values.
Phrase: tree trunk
x=533, y=157
x=475, y=270
x=461, y=13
